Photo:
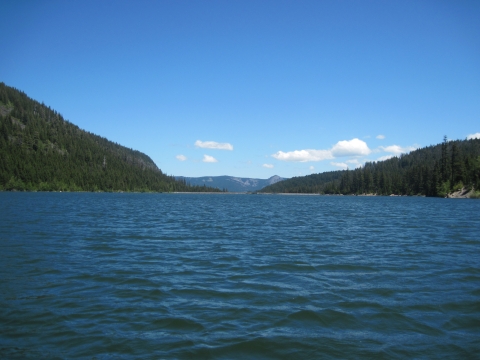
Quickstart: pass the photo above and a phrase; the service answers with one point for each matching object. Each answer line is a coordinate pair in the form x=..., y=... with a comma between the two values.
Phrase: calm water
x=149, y=276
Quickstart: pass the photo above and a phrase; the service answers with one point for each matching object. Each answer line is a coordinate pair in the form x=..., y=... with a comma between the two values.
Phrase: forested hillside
x=432, y=171
x=40, y=150
x=314, y=183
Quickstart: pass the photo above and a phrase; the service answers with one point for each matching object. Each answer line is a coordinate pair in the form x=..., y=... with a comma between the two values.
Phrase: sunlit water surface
x=149, y=276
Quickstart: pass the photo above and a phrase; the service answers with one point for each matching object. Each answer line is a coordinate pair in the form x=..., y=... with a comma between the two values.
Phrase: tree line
x=40, y=150
x=431, y=171
x=310, y=184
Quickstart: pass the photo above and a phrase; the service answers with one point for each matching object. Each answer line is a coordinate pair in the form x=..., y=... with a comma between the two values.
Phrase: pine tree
x=444, y=168
x=457, y=166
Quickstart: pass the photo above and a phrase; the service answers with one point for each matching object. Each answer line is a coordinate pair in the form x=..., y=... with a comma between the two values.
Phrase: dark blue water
x=148, y=276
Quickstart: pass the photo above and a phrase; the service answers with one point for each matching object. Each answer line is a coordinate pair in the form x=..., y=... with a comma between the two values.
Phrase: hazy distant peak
x=274, y=179
x=233, y=183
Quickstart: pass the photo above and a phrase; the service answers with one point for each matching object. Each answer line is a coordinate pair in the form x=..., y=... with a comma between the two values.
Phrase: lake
x=152, y=276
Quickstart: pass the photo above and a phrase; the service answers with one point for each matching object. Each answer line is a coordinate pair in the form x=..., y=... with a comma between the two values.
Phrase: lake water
x=152, y=276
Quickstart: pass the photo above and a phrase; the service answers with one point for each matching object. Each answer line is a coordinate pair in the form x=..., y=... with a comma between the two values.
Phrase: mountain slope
x=40, y=150
x=231, y=183
x=314, y=183
x=432, y=171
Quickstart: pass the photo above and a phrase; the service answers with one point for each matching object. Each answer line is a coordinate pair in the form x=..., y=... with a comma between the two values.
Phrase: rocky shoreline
x=463, y=193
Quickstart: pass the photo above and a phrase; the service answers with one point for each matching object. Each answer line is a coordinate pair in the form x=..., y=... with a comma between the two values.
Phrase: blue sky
x=252, y=88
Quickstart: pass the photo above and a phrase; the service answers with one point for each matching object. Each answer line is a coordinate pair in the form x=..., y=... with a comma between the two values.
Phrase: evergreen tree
x=431, y=171
x=444, y=159
x=457, y=166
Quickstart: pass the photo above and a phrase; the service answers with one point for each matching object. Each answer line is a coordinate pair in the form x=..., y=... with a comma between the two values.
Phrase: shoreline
x=460, y=194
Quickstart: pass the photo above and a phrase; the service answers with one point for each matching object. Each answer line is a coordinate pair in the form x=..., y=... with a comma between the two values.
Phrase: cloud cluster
x=397, y=150
x=213, y=145
x=303, y=155
x=354, y=147
x=209, y=159
x=473, y=136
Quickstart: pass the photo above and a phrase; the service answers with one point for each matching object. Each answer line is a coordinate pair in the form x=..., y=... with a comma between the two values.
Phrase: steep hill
x=231, y=183
x=40, y=150
x=432, y=171
x=314, y=183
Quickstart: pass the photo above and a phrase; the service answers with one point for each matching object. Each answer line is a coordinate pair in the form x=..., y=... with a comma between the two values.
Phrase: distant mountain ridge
x=231, y=183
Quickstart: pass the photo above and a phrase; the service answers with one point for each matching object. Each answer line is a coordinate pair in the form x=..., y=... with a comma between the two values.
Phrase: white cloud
x=341, y=165
x=311, y=168
x=213, y=145
x=380, y=137
x=386, y=157
x=397, y=150
x=303, y=155
x=354, y=147
x=268, y=166
x=473, y=136
x=209, y=159
x=181, y=157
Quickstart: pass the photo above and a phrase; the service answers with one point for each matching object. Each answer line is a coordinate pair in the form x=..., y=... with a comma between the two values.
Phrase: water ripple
x=122, y=276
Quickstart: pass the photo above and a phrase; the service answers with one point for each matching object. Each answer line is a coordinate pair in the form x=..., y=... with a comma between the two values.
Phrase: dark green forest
x=41, y=151
x=310, y=184
x=431, y=171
